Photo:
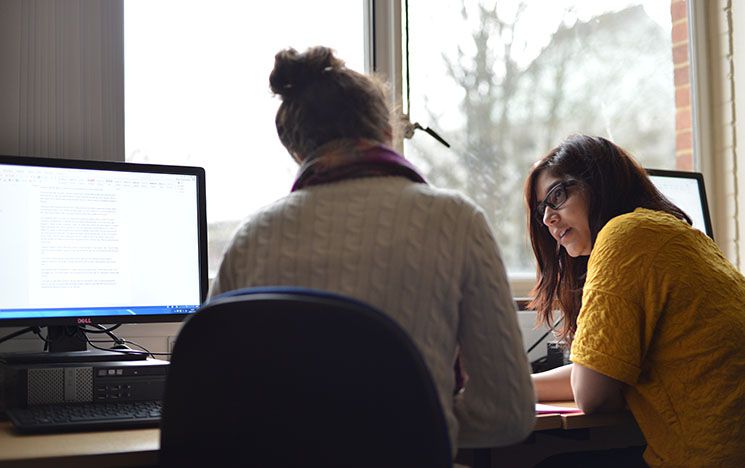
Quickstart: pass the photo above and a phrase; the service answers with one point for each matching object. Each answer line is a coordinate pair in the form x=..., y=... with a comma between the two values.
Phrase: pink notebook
x=540, y=408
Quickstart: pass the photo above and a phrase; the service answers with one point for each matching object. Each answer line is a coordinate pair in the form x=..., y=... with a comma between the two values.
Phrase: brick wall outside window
x=682, y=81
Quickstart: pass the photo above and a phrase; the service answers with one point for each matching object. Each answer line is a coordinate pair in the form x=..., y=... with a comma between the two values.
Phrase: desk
x=558, y=433
x=545, y=422
x=131, y=447
x=586, y=421
x=139, y=447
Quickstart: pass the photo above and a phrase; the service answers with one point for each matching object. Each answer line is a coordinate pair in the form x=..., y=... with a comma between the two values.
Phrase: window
x=507, y=82
x=511, y=79
x=197, y=92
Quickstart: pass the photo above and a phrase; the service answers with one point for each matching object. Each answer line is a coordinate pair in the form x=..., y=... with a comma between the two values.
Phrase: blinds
x=62, y=78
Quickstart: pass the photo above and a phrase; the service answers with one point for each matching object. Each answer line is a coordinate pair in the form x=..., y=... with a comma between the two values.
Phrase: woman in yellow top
x=654, y=312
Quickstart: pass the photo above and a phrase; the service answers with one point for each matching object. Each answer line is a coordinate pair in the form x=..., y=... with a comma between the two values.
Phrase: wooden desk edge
x=545, y=422
x=125, y=447
x=141, y=458
x=583, y=421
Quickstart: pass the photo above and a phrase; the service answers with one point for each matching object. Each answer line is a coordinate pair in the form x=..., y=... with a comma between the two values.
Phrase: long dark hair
x=614, y=184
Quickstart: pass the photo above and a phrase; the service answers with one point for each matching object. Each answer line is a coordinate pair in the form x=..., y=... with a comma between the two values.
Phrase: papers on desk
x=540, y=408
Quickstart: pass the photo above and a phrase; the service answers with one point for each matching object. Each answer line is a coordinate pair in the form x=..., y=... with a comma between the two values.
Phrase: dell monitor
x=686, y=191
x=91, y=242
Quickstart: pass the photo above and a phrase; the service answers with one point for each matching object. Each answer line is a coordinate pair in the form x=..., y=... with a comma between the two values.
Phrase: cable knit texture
x=664, y=312
x=424, y=256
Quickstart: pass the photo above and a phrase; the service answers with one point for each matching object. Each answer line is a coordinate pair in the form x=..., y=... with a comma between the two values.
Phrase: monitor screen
x=100, y=242
x=686, y=191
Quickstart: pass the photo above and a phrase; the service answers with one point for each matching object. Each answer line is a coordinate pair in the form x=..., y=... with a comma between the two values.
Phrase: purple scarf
x=352, y=160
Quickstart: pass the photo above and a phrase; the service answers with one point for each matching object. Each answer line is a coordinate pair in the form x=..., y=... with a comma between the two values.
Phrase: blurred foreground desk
x=132, y=447
x=129, y=447
x=554, y=433
x=560, y=433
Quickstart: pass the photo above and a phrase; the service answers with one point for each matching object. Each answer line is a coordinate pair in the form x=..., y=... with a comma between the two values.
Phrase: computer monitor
x=686, y=191
x=91, y=242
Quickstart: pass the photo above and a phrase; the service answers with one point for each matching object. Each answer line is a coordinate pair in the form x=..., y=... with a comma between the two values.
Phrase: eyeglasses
x=555, y=198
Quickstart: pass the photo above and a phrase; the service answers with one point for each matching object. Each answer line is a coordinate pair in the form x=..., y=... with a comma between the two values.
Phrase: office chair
x=285, y=377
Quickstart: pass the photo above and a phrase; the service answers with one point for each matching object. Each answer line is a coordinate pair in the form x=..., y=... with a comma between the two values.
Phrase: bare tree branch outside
x=502, y=100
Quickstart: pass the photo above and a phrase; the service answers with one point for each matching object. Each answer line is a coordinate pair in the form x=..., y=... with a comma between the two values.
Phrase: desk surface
x=140, y=446
x=585, y=421
x=544, y=422
x=79, y=449
x=558, y=433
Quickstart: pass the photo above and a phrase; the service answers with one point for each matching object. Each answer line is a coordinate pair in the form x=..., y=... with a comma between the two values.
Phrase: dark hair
x=322, y=101
x=614, y=184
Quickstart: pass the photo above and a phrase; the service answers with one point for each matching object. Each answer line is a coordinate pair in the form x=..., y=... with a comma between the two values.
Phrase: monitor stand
x=68, y=344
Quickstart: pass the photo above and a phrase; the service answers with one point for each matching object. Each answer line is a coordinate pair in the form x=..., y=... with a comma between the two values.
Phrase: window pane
x=197, y=91
x=508, y=83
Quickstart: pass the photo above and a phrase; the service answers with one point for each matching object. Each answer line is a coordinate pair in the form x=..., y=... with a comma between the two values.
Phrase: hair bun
x=294, y=71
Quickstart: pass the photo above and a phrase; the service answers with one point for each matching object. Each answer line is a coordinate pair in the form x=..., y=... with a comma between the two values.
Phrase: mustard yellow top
x=664, y=312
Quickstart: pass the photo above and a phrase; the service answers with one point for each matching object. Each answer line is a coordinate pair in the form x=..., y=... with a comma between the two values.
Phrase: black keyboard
x=85, y=416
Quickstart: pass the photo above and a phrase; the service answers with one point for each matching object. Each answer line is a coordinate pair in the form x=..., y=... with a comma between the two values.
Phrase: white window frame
x=713, y=33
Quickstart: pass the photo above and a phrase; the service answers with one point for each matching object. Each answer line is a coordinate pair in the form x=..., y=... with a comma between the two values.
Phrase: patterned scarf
x=347, y=159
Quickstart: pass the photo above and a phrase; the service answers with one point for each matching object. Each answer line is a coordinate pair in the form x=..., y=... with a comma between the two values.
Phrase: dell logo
x=83, y=320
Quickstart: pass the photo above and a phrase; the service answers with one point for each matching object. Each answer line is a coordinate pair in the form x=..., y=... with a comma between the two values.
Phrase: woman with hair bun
x=654, y=312
x=361, y=221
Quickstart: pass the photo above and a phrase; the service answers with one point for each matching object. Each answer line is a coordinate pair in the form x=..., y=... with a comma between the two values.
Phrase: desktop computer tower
x=24, y=384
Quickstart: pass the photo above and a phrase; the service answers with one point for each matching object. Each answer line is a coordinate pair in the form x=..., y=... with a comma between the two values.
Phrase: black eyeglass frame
x=540, y=209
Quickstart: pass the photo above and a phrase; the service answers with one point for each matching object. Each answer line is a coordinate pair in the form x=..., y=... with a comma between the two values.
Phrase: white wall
x=738, y=80
x=716, y=58
x=156, y=338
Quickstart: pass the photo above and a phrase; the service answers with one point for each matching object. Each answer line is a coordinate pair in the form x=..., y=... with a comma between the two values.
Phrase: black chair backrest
x=299, y=378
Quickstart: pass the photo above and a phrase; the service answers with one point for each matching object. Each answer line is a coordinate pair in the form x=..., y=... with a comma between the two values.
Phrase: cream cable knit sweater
x=423, y=255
